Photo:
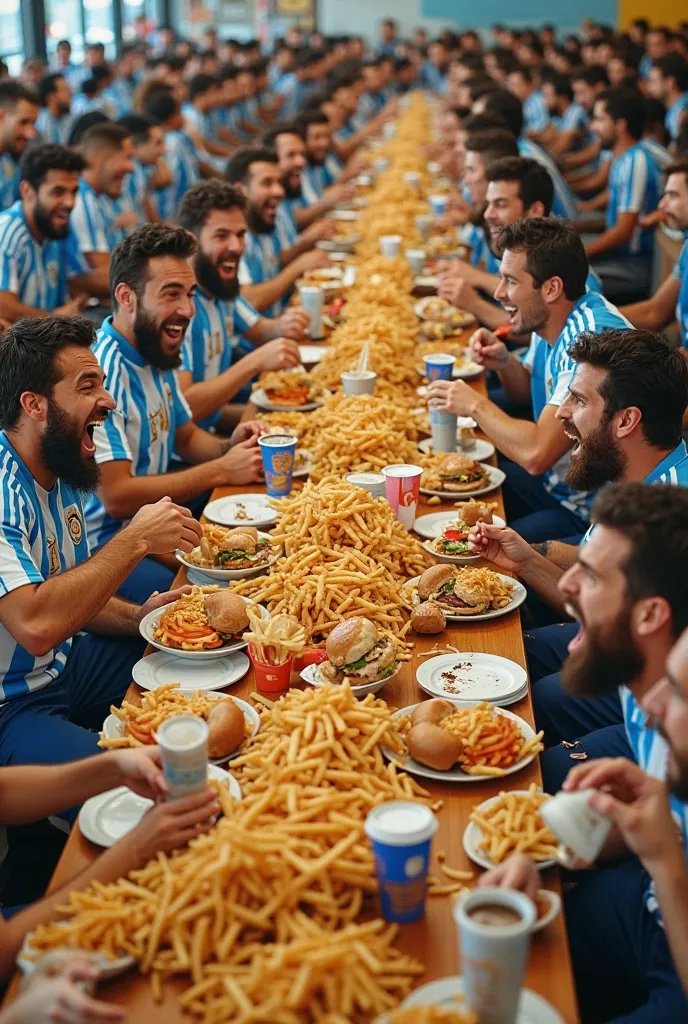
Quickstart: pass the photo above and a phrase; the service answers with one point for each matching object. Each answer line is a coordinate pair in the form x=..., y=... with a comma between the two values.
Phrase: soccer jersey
x=36, y=272
x=42, y=534
x=315, y=178
x=574, y=118
x=535, y=113
x=213, y=339
x=294, y=92
x=120, y=96
x=141, y=430
x=661, y=156
x=481, y=255
x=261, y=259
x=53, y=129
x=182, y=160
x=9, y=181
x=674, y=115
x=634, y=187
x=564, y=204
x=551, y=372
x=93, y=220
x=680, y=271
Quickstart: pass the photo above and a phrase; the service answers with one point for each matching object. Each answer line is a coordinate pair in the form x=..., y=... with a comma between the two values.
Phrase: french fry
x=512, y=824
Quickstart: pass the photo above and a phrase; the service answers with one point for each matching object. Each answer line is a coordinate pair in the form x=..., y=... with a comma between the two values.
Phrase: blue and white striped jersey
x=680, y=271
x=575, y=118
x=635, y=186
x=261, y=259
x=672, y=121
x=120, y=96
x=202, y=123
x=212, y=342
x=315, y=178
x=36, y=272
x=294, y=93
x=93, y=221
x=82, y=104
x=564, y=204
x=141, y=430
x=481, y=254
x=535, y=112
x=551, y=372
x=9, y=181
x=432, y=78
x=53, y=129
x=42, y=533
x=661, y=156
x=182, y=160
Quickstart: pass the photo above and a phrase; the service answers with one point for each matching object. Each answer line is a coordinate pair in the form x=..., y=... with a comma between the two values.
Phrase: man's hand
x=165, y=526
x=243, y=463
x=251, y=428
x=280, y=354
x=336, y=194
x=517, y=872
x=158, y=600
x=72, y=307
x=458, y=291
x=140, y=770
x=636, y=803
x=172, y=824
x=452, y=396
x=128, y=219
x=293, y=323
x=319, y=231
x=487, y=350
x=500, y=545
x=313, y=260
x=54, y=992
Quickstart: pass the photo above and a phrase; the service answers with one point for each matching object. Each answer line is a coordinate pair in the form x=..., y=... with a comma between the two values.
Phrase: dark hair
x=479, y=86
x=201, y=84
x=591, y=74
x=138, y=126
x=12, y=92
x=205, y=196
x=160, y=104
x=239, y=166
x=475, y=123
x=534, y=181
x=129, y=261
x=47, y=86
x=83, y=123
x=673, y=65
x=64, y=42
x=553, y=248
x=305, y=120
x=507, y=106
x=106, y=135
x=492, y=145
x=625, y=105
x=655, y=113
x=642, y=23
x=562, y=86
x=654, y=520
x=279, y=128
x=677, y=167
x=29, y=351
x=48, y=156
x=643, y=370
x=524, y=71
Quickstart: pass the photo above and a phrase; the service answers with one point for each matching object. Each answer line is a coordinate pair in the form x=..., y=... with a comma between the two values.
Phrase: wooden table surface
x=432, y=940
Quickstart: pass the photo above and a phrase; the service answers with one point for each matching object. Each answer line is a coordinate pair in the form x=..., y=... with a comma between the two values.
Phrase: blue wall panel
x=565, y=12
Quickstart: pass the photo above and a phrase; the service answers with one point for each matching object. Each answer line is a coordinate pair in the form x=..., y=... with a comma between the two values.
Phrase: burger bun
x=432, y=711
x=432, y=579
x=428, y=617
x=433, y=746
x=226, y=728
x=226, y=612
x=351, y=640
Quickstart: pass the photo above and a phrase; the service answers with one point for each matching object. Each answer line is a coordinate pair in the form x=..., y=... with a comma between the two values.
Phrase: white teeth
x=571, y=611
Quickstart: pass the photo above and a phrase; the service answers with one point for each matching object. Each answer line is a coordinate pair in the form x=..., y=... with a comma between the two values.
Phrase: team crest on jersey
x=215, y=344
x=51, y=271
x=53, y=555
x=74, y=524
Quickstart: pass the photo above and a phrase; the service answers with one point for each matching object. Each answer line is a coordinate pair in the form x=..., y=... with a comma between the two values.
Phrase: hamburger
x=242, y=549
x=452, y=591
x=428, y=742
x=358, y=652
x=227, y=614
x=459, y=473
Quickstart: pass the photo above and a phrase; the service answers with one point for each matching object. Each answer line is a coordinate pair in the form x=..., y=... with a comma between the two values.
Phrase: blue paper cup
x=438, y=204
x=278, y=463
x=439, y=366
x=400, y=834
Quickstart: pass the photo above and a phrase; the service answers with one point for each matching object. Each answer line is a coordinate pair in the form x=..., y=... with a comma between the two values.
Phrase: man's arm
x=535, y=446
x=598, y=202
x=207, y=396
x=263, y=295
x=515, y=381
x=614, y=237
x=655, y=313
x=508, y=550
x=12, y=309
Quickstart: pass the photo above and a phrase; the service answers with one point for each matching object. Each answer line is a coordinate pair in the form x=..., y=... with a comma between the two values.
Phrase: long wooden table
x=432, y=940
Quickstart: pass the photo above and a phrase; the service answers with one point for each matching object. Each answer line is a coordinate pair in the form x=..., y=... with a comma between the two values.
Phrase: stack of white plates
x=473, y=677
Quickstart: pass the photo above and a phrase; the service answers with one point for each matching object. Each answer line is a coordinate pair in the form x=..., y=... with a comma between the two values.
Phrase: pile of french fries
x=512, y=824
x=275, y=640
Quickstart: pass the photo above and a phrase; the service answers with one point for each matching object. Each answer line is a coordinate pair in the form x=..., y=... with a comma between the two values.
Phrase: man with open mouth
x=139, y=348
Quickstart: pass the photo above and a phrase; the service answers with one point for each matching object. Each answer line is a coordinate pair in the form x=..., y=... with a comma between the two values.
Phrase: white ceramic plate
x=519, y=596
x=349, y=215
x=478, y=452
x=148, y=625
x=447, y=992
x=241, y=510
x=497, y=478
x=473, y=834
x=553, y=899
x=311, y=354
x=432, y=525
x=465, y=320
x=113, y=727
x=426, y=281
x=157, y=669
x=230, y=574
x=477, y=677
x=259, y=398
x=408, y=764
x=107, y=969
x=312, y=676
x=344, y=244
x=105, y=818
x=449, y=559
x=322, y=274
x=467, y=371
x=196, y=577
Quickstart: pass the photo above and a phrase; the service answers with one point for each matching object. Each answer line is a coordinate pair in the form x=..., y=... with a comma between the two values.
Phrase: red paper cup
x=271, y=678
x=402, y=489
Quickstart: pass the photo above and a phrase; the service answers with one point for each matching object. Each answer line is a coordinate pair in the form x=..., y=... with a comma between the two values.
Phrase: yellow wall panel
x=660, y=12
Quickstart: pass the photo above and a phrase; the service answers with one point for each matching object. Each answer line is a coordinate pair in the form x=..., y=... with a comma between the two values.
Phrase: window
x=99, y=25
x=80, y=21
x=11, y=36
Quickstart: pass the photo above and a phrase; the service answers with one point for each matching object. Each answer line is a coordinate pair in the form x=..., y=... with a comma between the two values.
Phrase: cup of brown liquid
x=494, y=937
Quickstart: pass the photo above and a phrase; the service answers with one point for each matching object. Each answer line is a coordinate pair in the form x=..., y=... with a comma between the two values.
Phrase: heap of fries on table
x=261, y=918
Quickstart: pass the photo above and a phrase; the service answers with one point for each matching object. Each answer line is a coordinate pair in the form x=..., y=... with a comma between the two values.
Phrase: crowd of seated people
x=156, y=212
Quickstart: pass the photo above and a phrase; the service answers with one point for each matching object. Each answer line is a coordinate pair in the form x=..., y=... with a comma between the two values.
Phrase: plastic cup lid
x=400, y=823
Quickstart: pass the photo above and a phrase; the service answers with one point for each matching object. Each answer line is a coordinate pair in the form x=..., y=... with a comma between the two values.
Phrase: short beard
x=45, y=225
x=599, y=461
x=210, y=280
x=678, y=783
x=60, y=450
x=147, y=336
x=291, y=191
x=256, y=224
x=315, y=161
x=534, y=324
x=606, y=664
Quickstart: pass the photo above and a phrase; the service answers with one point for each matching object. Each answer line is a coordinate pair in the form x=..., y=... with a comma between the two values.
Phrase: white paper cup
x=389, y=245
x=313, y=299
x=443, y=430
x=438, y=204
x=424, y=222
x=183, y=742
x=412, y=178
x=416, y=260
x=389, y=129
x=493, y=957
x=356, y=383
x=373, y=483
x=380, y=164
x=434, y=167
x=402, y=491
x=581, y=829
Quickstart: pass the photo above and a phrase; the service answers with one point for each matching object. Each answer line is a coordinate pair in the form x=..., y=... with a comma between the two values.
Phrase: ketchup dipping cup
x=271, y=678
x=402, y=490
x=278, y=462
x=400, y=834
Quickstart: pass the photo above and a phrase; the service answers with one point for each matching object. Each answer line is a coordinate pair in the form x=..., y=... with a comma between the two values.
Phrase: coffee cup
x=581, y=830
x=400, y=833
